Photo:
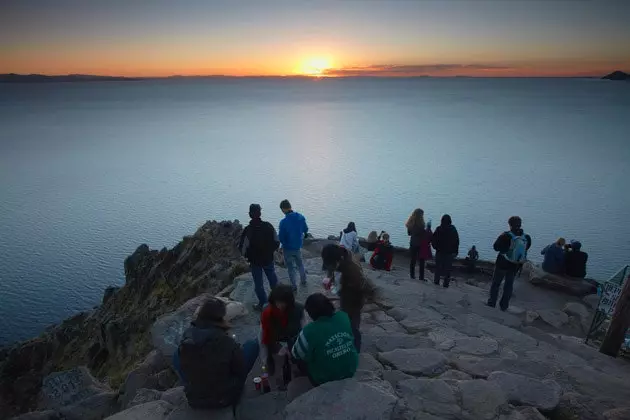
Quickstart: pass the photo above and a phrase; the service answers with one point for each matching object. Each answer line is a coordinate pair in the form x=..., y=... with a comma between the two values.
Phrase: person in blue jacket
x=554, y=257
x=293, y=230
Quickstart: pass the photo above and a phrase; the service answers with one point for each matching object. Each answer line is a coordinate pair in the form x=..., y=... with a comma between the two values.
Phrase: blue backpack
x=518, y=249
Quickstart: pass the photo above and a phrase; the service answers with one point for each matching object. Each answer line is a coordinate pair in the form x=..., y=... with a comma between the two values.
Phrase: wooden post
x=619, y=323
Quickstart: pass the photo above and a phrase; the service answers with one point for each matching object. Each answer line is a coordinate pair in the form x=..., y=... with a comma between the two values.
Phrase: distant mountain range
x=42, y=78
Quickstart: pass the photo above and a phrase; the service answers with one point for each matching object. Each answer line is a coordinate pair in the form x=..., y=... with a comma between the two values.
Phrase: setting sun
x=315, y=66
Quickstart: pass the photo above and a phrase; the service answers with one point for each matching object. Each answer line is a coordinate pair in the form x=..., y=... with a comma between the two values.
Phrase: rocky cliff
x=113, y=338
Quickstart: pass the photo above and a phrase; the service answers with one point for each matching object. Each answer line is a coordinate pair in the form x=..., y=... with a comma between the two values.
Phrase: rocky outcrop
x=112, y=339
x=617, y=75
x=569, y=285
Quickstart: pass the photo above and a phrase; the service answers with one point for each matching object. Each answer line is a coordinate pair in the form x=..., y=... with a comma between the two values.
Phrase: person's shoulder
x=341, y=316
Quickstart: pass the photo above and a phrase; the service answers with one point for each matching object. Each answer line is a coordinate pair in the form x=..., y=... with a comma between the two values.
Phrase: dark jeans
x=250, y=354
x=497, y=279
x=257, y=275
x=443, y=266
x=414, y=251
x=355, y=322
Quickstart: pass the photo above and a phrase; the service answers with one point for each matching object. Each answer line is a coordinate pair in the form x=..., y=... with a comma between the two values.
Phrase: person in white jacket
x=349, y=238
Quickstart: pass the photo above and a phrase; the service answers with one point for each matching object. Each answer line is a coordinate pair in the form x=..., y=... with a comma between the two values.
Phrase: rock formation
x=617, y=75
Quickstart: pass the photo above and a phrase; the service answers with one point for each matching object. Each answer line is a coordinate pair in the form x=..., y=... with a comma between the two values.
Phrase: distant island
x=617, y=75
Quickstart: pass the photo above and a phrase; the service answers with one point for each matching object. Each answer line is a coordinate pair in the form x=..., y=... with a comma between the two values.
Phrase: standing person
x=424, y=253
x=575, y=260
x=416, y=231
x=512, y=247
x=293, y=229
x=212, y=366
x=383, y=254
x=354, y=290
x=258, y=243
x=446, y=244
x=349, y=238
x=280, y=322
x=554, y=257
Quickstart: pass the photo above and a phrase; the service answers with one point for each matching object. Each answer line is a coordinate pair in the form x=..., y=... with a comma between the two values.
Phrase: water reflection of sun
x=315, y=66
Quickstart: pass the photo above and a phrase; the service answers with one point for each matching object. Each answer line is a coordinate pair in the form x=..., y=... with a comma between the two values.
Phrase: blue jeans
x=443, y=267
x=251, y=349
x=293, y=261
x=497, y=279
x=257, y=274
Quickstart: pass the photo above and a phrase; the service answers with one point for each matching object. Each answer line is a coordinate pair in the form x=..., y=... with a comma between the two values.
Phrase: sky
x=319, y=38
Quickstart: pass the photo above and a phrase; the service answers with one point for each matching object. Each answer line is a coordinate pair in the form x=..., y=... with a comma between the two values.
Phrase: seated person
x=326, y=346
x=554, y=257
x=575, y=261
x=472, y=258
x=212, y=366
x=383, y=255
x=372, y=239
x=280, y=321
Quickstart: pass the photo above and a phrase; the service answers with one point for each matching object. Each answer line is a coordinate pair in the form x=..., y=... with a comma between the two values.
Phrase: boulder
x=109, y=292
x=521, y=390
x=388, y=342
x=453, y=374
x=269, y=406
x=392, y=327
x=62, y=389
x=471, y=345
x=40, y=415
x=155, y=410
x=569, y=285
x=425, y=362
x=429, y=396
x=591, y=301
x=395, y=376
x=167, y=331
x=578, y=310
x=143, y=396
x=524, y=413
x=186, y=413
x=441, y=334
x=398, y=314
x=166, y=378
x=346, y=399
x=553, y=317
x=369, y=368
x=414, y=326
x=618, y=414
x=482, y=399
x=175, y=396
x=574, y=406
x=95, y=407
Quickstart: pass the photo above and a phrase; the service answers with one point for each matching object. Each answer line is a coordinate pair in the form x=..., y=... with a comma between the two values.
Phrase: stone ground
x=434, y=353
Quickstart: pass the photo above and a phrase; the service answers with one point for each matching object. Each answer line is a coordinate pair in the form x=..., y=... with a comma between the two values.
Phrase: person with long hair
x=355, y=288
x=418, y=236
x=280, y=322
x=349, y=238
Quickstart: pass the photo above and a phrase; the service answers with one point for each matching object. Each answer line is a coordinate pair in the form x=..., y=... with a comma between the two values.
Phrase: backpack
x=518, y=249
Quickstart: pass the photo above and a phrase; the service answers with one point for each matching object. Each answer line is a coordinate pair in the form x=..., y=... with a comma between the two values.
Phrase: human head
x=332, y=256
x=211, y=313
x=285, y=206
x=351, y=228
x=576, y=245
x=474, y=248
x=385, y=237
x=515, y=223
x=561, y=242
x=282, y=297
x=318, y=305
x=446, y=220
x=255, y=211
x=416, y=218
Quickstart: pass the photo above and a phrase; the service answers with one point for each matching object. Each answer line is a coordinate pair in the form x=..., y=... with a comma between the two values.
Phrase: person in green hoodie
x=326, y=346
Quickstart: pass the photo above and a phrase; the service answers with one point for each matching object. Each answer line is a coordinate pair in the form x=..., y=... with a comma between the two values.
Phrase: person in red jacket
x=383, y=255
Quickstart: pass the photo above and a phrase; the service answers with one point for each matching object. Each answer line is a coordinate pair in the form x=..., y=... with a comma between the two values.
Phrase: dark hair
x=446, y=220
x=318, y=305
x=254, y=211
x=210, y=313
x=285, y=205
x=282, y=293
x=515, y=222
x=351, y=228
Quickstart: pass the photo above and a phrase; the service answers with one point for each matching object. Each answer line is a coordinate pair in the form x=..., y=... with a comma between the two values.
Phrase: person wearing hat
x=258, y=243
x=211, y=364
x=575, y=260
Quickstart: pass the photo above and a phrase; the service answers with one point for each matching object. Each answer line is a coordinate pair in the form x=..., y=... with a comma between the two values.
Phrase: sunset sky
x=334, y=38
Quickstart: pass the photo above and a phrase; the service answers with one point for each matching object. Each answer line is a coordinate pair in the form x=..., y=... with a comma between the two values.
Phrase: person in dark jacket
x=211, y=364
x=554, y=257
x=280, y=322
x=383, y=254
x=471, y=259
x=575, y=260
x=258, y=243
x=355, y=288
x=446, y=244
x=416, y=230
x=512, y=247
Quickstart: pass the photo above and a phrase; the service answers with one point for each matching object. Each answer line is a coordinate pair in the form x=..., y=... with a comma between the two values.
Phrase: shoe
x=258, y=307
x=303, y=283
x=445, y=286
x=437, y=283
x=412, y=277
x=294, y=289
x=492, y=305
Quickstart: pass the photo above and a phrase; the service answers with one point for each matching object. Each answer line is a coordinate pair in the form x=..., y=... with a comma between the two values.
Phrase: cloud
x=415, y=70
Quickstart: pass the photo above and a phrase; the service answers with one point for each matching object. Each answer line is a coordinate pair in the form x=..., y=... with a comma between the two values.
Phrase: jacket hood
x=198, y=335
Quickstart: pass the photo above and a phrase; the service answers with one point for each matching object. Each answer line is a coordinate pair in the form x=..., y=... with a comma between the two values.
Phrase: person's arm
x=304, y=226
x=282, y=234
x=456, y=242
x=544, y=250
x=276, y=241
x=300, y=348
x=435, y=241
x=502, y=244
x=243, y=243
x=355, y=243
x=529, y=242
x=388, y=261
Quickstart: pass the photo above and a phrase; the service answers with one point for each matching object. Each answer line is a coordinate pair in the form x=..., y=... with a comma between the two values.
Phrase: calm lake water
x=88, y=171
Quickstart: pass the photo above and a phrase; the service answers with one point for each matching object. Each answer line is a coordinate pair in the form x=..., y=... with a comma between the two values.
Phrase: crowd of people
x=214, y=367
